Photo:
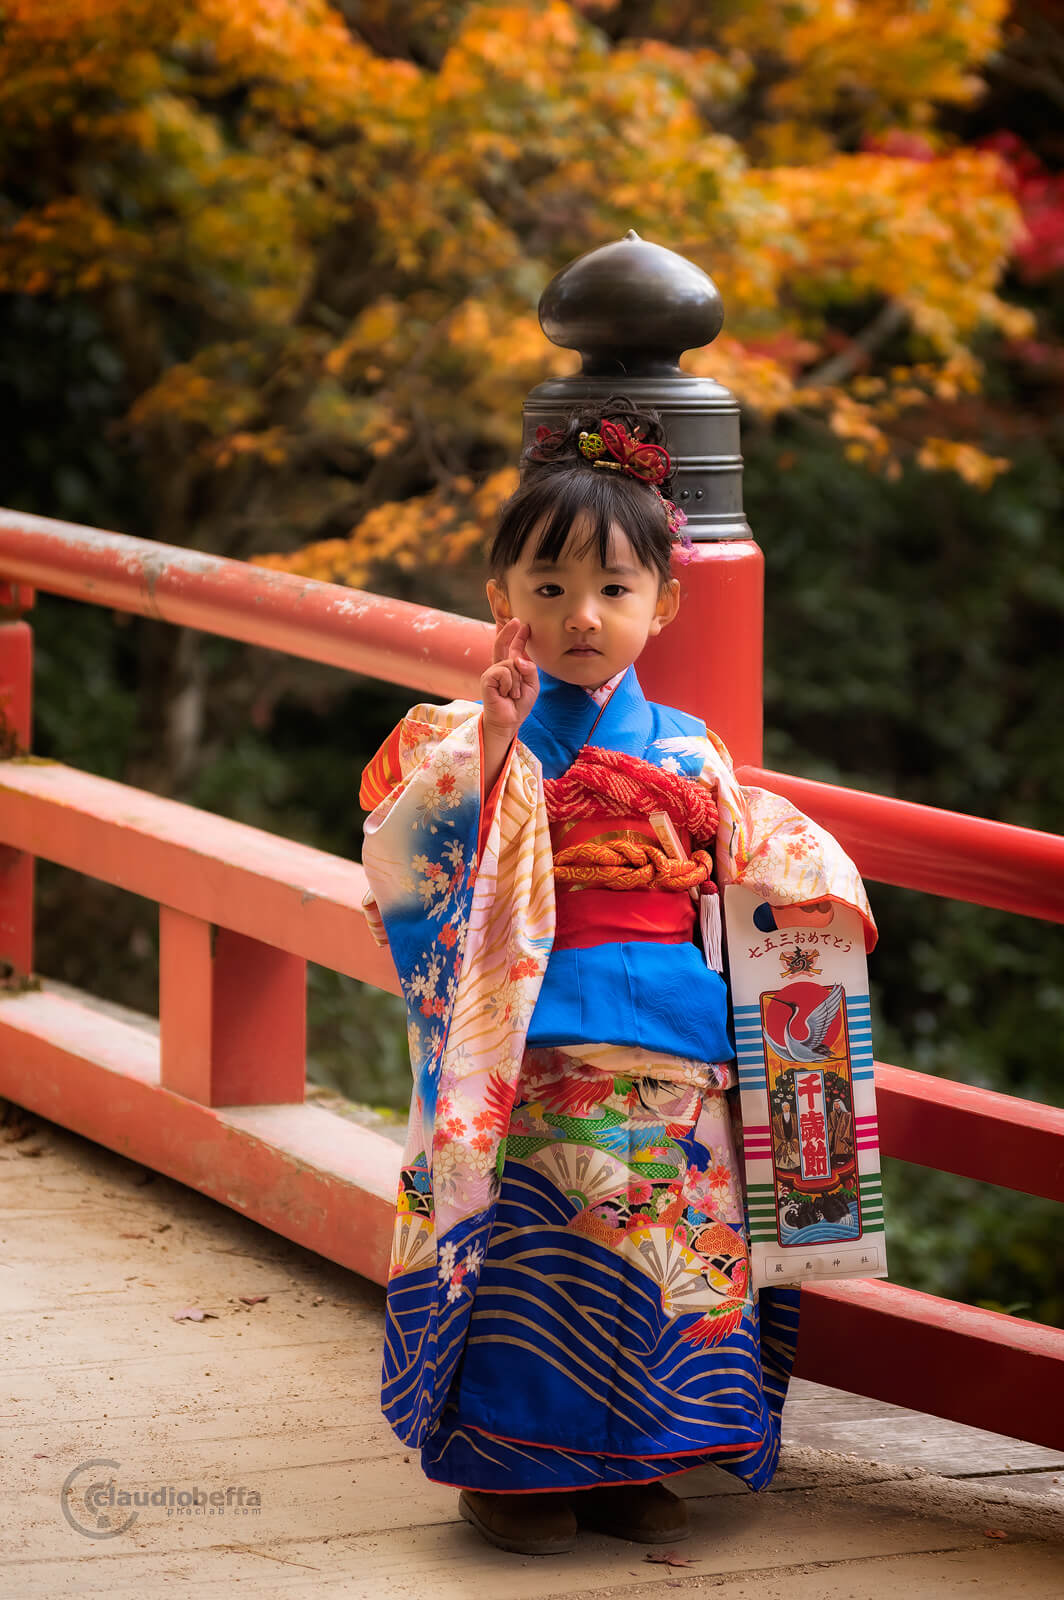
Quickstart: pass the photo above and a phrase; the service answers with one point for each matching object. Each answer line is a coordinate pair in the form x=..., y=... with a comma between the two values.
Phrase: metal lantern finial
x=631, y=309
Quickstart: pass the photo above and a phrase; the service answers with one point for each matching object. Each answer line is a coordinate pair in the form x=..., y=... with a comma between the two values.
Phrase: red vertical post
x=16, y=700
x=232, y=1015
x=709, y=660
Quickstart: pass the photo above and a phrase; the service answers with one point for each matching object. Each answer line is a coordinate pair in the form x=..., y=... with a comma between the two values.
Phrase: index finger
x=505, y=634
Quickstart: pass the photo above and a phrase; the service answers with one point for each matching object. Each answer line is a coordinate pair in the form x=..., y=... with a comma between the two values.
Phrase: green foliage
x=86, y=714
x=964, y=1241
x=909, y=624
x=356, y=1040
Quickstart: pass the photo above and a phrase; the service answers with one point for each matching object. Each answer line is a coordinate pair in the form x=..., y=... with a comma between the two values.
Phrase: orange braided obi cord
x=605, y=784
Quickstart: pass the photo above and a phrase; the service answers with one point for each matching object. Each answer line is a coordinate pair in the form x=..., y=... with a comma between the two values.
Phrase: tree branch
x=890, y=318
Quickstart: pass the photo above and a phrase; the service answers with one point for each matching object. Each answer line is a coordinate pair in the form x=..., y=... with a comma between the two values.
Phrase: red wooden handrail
x=292, y=898
x=442, y=654
x=977, y=1133
x=941, y=852
x=999, y=1372
x=435, y=651
x=222, y=872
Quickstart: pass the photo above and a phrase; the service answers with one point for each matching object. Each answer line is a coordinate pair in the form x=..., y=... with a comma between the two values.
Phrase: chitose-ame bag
x=803, y=1039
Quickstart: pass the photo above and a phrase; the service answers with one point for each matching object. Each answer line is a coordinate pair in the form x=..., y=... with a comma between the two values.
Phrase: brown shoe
x=646, y=1512
x=528, y=1524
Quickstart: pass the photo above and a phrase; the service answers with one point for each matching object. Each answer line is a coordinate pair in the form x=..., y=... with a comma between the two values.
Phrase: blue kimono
x=570, y=1303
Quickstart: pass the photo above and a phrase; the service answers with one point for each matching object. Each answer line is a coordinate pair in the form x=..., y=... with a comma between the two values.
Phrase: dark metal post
x=631, y=309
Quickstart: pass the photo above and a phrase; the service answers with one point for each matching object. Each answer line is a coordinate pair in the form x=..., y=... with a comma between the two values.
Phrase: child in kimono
x=569, y=1314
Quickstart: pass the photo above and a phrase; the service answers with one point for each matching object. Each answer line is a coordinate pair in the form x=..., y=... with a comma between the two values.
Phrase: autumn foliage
x=316, y=233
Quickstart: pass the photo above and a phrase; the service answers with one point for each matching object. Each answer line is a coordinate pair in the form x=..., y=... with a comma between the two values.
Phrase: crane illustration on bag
x=811, y=1048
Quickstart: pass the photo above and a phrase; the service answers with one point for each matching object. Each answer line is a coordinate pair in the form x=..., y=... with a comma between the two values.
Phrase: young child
x=569, y=1318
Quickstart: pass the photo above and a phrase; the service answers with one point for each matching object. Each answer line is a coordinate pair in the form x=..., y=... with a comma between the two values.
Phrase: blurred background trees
x=268, y=284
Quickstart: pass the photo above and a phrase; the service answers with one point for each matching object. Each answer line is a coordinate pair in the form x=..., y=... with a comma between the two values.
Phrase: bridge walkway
x=274, y=1392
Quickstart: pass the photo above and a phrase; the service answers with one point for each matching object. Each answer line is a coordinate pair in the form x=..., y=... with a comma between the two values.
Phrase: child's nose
x=584, y=617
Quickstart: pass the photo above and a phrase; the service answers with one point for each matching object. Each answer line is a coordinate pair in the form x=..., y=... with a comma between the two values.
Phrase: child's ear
x=499, y=601
x=667, y=606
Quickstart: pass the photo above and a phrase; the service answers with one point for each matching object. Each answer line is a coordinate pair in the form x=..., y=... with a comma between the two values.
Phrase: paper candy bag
x=803, y=1040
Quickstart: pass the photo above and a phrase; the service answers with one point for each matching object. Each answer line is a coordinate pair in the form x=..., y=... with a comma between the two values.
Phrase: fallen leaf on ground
x=668, y=1558
x=22, y=1152
x=253, y=1299
x=995, y=1533
x=191, y=1314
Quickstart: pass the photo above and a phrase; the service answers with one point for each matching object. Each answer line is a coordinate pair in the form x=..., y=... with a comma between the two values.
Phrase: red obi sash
x=587, y=916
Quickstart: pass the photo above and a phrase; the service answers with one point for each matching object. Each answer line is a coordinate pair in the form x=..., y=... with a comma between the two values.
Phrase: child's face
x=588, y=622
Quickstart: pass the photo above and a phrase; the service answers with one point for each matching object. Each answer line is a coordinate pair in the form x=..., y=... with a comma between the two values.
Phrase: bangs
x=556, y=531
x=545, y=507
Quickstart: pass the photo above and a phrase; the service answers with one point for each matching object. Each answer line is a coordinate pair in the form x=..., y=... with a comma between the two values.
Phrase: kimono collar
x=565, y=717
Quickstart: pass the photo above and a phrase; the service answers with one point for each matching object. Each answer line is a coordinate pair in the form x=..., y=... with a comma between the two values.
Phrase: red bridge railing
x=216, y=1101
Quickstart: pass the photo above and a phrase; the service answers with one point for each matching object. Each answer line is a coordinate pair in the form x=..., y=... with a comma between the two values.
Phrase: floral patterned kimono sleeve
x=470, y=936
x=765, y=843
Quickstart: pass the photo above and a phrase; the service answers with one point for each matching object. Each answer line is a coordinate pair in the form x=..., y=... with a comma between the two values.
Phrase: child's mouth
x=582, y=650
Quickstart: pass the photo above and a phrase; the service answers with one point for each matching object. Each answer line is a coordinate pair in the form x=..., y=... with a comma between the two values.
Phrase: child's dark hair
x=558, y=484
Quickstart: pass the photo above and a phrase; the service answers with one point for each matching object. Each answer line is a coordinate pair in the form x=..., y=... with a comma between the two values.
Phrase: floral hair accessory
x=675, y=518
x=648, y=463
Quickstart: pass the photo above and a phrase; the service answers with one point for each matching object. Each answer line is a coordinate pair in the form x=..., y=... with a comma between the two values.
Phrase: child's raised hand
x=509, y=687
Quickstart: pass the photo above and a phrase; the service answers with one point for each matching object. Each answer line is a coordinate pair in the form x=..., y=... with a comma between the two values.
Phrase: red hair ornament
x=647, y=463
x=650, y=463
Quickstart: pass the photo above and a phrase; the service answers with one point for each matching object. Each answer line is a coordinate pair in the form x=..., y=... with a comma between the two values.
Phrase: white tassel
x=712, y=942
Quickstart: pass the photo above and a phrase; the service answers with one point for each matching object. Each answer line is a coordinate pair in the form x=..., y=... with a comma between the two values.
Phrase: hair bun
x=562, y=445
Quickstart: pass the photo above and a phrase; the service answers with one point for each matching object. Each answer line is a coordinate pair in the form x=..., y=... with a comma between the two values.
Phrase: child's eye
x=614, y=589
x=549, y=590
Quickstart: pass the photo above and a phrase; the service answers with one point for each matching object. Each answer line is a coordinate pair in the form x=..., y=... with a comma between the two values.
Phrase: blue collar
x=565, y=717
